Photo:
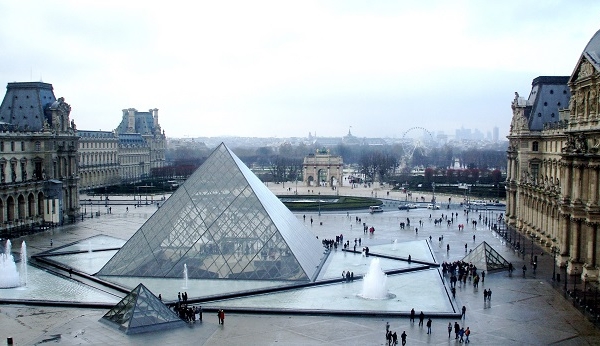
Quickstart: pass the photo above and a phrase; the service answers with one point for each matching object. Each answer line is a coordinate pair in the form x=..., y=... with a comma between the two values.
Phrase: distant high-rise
x=496, y=134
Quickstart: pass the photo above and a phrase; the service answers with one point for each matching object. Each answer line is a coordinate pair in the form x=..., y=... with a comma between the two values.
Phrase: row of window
x=552, y=146
x=96, y=145
x=14, y=145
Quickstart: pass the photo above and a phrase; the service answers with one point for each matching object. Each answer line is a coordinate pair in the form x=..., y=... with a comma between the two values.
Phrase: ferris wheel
x=416, y=140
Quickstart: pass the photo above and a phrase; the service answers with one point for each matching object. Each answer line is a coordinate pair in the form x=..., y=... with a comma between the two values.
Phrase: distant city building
x=349, y=139
x=553, y=165
x=496, y=134
x=38, y=158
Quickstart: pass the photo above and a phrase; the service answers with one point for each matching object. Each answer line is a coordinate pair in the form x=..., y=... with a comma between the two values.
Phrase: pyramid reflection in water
x=223, y=223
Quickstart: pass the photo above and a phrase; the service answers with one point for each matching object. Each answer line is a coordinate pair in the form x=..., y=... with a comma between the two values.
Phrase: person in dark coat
x=421, y=318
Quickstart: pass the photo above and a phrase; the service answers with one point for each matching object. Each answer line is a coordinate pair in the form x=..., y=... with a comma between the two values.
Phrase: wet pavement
x=530, y=310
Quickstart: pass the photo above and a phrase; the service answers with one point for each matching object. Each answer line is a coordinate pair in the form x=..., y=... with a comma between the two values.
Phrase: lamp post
x=553, y=263
x=585, y=277
x=574, y=282
x=566, y=276
x=532, y=247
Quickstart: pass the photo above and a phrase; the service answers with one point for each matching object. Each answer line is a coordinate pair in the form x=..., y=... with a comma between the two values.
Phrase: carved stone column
x=593, y=184
x=577, y=178
x=590, y=269
x=575, y=239
x=566, y=181
x=564, y=236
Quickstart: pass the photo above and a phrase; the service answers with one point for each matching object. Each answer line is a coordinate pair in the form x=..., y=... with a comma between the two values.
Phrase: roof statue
x=484, y=257
x=222, y=223
x=141, y=311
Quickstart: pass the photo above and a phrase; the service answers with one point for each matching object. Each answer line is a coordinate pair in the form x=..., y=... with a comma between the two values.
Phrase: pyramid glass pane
x=223, y=222
x=486, y=258
x=141, y=311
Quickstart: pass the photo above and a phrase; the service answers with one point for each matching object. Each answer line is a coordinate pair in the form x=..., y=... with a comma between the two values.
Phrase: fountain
x=9, y=276
x=374, y=282
x=23, y=271
x=185, y=276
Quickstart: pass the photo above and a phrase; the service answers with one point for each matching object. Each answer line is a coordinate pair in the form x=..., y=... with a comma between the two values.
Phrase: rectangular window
x=1, y=146
x=22, y=146
x=12, y=146
x=535, y=170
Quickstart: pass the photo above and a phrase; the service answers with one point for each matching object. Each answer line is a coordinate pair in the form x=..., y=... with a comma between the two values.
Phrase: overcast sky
x=283, y=68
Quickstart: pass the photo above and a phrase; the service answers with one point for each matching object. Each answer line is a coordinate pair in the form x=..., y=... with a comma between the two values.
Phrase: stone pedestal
x=574, y=268
x=590, y=273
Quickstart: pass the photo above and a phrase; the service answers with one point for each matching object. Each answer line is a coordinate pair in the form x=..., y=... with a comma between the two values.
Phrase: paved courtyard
x=528, y=310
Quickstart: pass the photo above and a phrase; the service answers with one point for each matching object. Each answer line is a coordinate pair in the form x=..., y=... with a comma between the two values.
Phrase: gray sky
x=283, y=68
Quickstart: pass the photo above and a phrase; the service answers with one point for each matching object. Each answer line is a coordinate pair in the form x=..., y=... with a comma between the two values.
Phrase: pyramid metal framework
x=484, y=257
x=223, y=222
x=141, y=311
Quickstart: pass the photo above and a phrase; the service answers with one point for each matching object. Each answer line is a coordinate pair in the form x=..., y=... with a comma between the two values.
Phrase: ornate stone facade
x=38, y=158
x=98, y=159
x=553, y=179
x=322, y=169
x=142, y=144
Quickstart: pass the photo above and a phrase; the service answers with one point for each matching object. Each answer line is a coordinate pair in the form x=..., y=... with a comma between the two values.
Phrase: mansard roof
x=131, y=139
x=96, y=134
x=25, y=105
x=144, y=123
x=548, y=95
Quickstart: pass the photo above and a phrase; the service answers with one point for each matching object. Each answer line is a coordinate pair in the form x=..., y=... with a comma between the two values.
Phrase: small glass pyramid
x=140, y=311
x=484, y=257
x=222, y=223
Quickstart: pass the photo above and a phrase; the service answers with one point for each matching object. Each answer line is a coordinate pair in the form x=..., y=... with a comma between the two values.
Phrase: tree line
x=377, y=163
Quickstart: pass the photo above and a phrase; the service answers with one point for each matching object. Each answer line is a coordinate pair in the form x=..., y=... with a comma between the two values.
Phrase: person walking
x=456, y=329
x=449, y=329
x=429, y=326
x=412, y=315
x=461, y=334
x=467, y=333
x=464, y=310
x=490, y=294
x=421, y=318
x=482, y=276
x=403, y=338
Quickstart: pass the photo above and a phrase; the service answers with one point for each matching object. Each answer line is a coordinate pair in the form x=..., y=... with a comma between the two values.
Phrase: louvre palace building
x=45, y=160
x=553, y=162
x=38, y=158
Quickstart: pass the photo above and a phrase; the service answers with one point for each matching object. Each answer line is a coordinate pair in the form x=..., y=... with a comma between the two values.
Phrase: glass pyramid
x=223, y=222
x=140, y=311
x=484, y=257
